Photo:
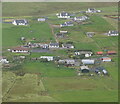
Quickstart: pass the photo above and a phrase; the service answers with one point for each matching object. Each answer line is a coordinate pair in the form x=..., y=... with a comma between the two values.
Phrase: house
x=90, y=34
x=63, y=32
x=84, y=69
x=93, y=10
x=60, y=35
x=67, y=61
x=99, y=53
x=88, y=61
x=113, y=33
x=44, y=46
x=54, y=45
x=106, y=59
x=111, y=52
x=3, y=60
x=20, y=50
x=87, y=53
x=41, y=19
x=69, y=23
x=64, y=15
x=49, y=58
x=81, y=18
x=20, y=22
x=66, y=45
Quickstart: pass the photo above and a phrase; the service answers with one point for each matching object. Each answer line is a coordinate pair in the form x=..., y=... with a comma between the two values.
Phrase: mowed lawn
x=11, y=34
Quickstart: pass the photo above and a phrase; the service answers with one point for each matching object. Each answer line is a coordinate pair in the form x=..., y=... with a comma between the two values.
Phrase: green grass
x=40, y=31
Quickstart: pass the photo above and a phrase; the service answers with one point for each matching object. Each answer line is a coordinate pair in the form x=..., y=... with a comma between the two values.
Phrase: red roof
x=111, y=52
x=21, y=49
x=100, y=53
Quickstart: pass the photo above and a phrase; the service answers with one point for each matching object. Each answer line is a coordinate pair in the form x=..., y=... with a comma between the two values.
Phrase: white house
x=63, y=32
x=87, y=53
x=20, y=50
x=106, y=59
x=20, y=22
x=63, y=15
x=54, y=45
x=93, y=10
x=67, y=46
x=81, y=18
x=113, y=33
x=42, y=19
x=49, y=58
x=3, y=60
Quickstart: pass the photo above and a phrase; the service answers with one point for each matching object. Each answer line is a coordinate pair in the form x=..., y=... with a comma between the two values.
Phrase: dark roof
x=21, y=21
x=65, y=14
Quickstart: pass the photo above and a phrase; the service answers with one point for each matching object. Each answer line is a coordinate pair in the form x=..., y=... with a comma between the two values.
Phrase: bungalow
x=64, y=15
x=93, y=10
x=20, y=22
x=106, y=59
x=41, y=19
x=111, y=52
x=54, y=45
x=66, y=45
x=20, y=50
x=88, y=61
x=84, y=69
x=90, y=34
x=113, y=33
x=81, y=18
x=60, y=35
x=99, y=53
x=49, y=58
x=87, y=53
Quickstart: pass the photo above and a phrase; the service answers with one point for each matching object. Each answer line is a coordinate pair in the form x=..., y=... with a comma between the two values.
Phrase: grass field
x=45, y=81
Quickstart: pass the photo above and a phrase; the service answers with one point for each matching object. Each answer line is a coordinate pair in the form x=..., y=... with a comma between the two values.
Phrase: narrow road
x=52, y=30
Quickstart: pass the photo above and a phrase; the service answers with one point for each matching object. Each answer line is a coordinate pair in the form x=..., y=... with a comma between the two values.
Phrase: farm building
x=100, y=70
x=113, y=33
x=41, y=19
x=20, y=22
x=66, y=45
x=20, y=50
x=106, y=59
x=54, y=45
x=93, y=10
x=87, y=53
x=99, y=53
x=63, y=14
x=84, y=69
x=111, y=52
x=88, y=61
x=49, y=58
x=81, y=18
x=90, y=34
x=60, y=35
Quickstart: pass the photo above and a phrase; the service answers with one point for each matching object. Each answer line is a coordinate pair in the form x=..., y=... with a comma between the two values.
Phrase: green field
x=45, y=81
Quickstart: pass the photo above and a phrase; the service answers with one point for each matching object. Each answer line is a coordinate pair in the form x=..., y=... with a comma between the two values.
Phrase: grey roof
x=67, y=45
x=84, y=51
x=69, y=22
x=113, y=32
x=54, y=44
